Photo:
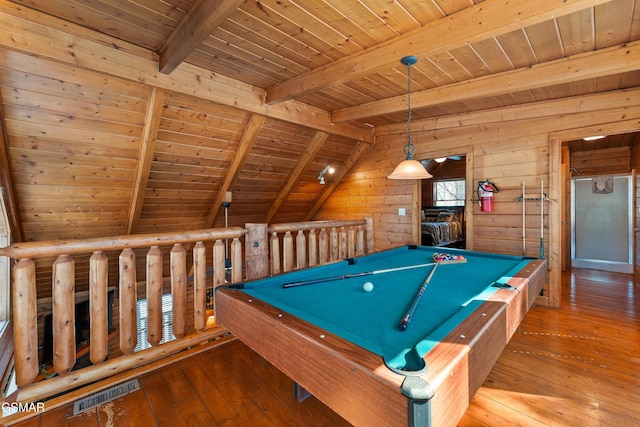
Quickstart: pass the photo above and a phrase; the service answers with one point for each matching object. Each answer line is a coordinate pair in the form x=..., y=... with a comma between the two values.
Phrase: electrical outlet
x=402, y=211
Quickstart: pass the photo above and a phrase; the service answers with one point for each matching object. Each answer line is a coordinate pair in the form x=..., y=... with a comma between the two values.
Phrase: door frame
x=558, y=172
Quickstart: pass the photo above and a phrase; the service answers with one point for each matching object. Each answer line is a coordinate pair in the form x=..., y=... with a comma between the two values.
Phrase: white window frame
x=459, y=202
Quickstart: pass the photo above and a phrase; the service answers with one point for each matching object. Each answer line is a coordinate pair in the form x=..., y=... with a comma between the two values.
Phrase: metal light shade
x=409, y=168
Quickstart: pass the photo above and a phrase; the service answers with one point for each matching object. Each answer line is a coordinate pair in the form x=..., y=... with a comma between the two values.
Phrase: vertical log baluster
x=154, y=296
x=343, y=243
x=25, y=326
x=200, y=286
x=324, y=246
x=360, y=251
x=351, y=242
x=301, y=250
x=127, y=297
x=275, y=253
x=370, y=238
x=64, y=315
x=334, y=251
x=236, y=260
x=98, y=280
x=218, y=264
x=287, y=251
x=313, y=248
x=178, y=260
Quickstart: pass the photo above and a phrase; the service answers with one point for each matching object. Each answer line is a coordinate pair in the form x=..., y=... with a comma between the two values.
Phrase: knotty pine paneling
x=304, y=193
x=81, y=127
x=602, y=162
x=276, y=152
x=509, y=166
x=131, y=19
x=196, y=143
x=368, y=191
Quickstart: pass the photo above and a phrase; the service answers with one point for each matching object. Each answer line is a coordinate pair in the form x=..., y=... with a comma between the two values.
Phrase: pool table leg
x=419, y=393
x=419, y=413
x=300, y=393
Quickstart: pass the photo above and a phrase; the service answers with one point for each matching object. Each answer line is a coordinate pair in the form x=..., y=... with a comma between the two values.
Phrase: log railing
x=316, y=242
x=24, y=300
x=293, y=246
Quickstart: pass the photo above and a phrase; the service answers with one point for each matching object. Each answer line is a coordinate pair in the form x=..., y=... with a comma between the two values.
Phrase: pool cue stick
x=524, y=222
x=416, y=300
x=349, y=276
x=541, y=219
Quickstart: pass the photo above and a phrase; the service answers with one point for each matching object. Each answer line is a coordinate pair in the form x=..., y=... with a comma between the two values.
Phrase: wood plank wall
x=506, y=145
x=610, y=161
x=82, y=127
x=507, y=163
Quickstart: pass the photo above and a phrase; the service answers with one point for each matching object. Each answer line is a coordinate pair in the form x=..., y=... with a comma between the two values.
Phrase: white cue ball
x=368, y=286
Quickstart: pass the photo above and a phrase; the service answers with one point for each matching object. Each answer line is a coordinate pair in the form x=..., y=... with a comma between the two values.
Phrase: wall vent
x=105, y=396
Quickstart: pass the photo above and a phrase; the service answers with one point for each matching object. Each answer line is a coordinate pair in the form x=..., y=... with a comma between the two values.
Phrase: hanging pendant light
x=409, y=168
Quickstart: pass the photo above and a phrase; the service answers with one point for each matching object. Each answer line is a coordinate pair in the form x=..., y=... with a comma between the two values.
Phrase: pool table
x=344, y=344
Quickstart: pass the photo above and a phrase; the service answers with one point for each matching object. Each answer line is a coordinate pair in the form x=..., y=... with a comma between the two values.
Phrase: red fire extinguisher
x=485, y=195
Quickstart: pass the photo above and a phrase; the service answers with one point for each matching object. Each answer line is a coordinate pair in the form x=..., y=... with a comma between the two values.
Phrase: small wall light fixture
x=327, y=169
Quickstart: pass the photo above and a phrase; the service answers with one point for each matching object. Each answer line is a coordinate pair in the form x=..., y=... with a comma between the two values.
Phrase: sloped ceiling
x=140, y=116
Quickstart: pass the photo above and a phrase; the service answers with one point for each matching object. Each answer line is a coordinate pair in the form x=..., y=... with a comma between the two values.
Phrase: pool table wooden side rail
x=460, y=363
x=336, y=371
x=354, y=382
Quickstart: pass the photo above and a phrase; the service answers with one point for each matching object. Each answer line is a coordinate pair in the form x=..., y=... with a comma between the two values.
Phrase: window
x=167, y=332
x=8, y=387
x=449, y=192
x=5, y=264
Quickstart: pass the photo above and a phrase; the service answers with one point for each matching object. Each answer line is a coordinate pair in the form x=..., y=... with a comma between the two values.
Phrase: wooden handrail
x=317, y=242
x=74, y=247
x=314, y=225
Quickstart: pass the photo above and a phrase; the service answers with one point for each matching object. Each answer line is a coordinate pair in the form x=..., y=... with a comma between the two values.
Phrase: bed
x=442, y=226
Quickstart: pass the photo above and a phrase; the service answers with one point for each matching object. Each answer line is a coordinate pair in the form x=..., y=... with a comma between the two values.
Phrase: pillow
x=445, y=216
x=430, y=217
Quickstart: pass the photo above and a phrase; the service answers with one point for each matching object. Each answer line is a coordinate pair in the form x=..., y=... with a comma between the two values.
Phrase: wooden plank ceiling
x=139, y=116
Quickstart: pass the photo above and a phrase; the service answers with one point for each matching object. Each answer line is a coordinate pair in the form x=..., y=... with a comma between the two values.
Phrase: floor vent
x=105, y=396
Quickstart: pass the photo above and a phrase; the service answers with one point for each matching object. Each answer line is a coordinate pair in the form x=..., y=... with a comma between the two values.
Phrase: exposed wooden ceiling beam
x=482, y=21
x=340, y=173
x=6, y=183
x=247, y=141
x=541, y=109
x=152, y=117
x=114, y=58
x=308, y=155
x=603, y=62
x=201, y=20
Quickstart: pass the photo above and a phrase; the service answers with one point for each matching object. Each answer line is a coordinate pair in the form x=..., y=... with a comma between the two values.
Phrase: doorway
x=443, y=198
x=602, y=223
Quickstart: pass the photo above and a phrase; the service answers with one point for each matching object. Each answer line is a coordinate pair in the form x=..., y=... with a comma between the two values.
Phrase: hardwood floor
x=573, y=366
